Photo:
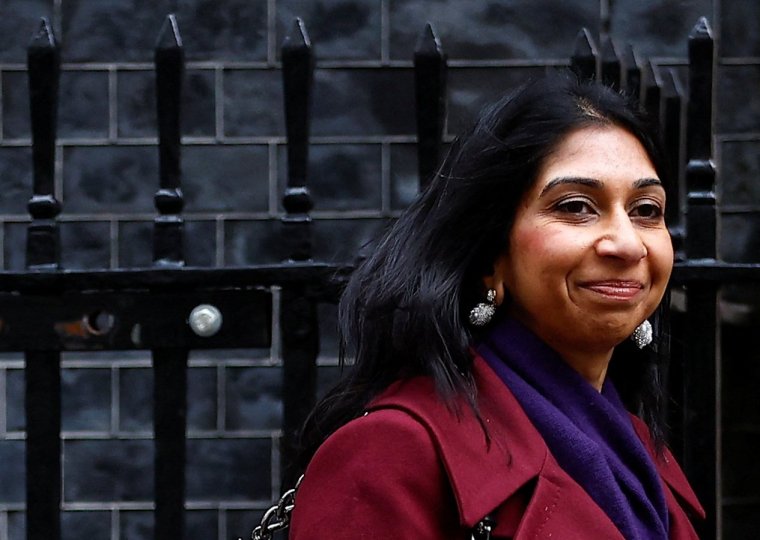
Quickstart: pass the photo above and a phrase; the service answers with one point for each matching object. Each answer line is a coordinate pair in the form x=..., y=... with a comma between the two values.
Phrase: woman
x=490, y=332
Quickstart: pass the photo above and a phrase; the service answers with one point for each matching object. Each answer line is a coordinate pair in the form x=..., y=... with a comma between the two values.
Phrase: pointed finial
x=428, y=42
x=584, y=44
x=652, y=75
x=43, y=38
x=701, y=30
x=632, y=69
x=671, y=84
x=298, y=37
x=609, y=50
x=169, y=37
x=583, y=61
x=631, y=58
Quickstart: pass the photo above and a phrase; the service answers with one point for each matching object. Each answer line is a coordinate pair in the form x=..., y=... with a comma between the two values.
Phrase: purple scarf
x=589, y=433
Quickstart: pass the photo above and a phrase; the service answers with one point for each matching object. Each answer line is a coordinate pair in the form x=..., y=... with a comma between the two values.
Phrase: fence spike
x=701, y=47
x=42, y=374
x=169, y=36
x=43, y=63
x=672, y=116
x=430, y=73
x=44, y=37
x=584, y=59
x=298, y=37
x=700, y=169
x=298, y=315
x=632, y=72
x=702, y=403
x=611, y=63
x=652, y=101
x=168, y=227
x=428, y=43
x=297, y=73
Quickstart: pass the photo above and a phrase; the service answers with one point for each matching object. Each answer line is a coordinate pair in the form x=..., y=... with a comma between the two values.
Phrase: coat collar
x=484, y=471
x=669, y=470
x=487, y=469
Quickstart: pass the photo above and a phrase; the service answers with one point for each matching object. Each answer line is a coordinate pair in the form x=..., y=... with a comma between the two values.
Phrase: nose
x=620, y=239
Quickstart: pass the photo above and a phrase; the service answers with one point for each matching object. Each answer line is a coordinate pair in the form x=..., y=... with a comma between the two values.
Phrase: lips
x=615, y=289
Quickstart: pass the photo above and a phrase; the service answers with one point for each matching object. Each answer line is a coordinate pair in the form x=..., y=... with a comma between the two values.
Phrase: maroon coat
x=411, y=469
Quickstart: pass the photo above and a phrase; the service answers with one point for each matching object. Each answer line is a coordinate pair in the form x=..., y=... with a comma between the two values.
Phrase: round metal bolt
x=205, y=320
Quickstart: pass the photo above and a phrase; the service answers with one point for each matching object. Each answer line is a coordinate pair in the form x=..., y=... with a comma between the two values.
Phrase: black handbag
x=277, y=518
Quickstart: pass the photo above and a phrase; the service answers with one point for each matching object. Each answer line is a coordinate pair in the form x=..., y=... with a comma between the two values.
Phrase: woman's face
x=589, y=254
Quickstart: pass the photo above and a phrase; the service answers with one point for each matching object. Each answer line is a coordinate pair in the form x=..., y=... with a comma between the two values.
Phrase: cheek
x=547, y=246
x=537, y=251
x=662, y=263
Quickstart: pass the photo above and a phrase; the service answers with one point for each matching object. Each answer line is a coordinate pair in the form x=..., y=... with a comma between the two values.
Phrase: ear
x=497, y=280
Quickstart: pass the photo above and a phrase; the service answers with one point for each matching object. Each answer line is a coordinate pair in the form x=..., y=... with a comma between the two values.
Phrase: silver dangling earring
x=483, y=312
x=642, y=336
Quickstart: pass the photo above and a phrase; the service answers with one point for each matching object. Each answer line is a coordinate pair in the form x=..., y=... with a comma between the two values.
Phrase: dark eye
x=575, y=206
x=647, y=210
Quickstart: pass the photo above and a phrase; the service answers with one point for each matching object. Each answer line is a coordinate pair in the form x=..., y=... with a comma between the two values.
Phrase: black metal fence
x=170, y=308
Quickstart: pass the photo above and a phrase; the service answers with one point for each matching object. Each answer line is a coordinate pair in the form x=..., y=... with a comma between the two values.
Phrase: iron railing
x=170, y=308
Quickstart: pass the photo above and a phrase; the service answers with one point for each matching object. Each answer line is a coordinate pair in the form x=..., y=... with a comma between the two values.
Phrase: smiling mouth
x=617, y=290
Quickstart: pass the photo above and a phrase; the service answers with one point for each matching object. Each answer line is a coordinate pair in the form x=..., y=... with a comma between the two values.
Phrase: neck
x=592, y=367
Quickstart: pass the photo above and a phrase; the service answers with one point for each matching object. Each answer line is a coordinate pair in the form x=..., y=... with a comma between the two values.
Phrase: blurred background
x=363, y=170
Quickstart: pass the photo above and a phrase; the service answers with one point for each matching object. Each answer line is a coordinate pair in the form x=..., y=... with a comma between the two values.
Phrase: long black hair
x=404, y=310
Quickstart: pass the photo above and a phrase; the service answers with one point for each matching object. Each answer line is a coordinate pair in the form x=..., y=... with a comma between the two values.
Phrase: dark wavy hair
x=404, y=310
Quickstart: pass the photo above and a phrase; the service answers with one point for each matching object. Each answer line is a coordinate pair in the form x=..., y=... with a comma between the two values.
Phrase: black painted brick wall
x=362, y=171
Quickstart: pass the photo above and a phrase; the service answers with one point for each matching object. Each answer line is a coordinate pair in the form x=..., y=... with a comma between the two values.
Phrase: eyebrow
x=594, y=183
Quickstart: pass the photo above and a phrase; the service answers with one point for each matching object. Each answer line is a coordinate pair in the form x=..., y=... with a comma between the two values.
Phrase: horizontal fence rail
x=170, y=308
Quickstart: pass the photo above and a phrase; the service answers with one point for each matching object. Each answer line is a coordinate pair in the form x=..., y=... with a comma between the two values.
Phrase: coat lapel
x=507, y=468
x=670, y=472
x=484, y=469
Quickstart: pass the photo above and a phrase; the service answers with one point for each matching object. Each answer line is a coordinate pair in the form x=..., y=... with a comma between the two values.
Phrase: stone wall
x=363, y=171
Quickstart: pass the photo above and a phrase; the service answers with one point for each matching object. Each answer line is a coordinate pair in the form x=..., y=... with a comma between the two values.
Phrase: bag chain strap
x=278, y=516
x=484, y=528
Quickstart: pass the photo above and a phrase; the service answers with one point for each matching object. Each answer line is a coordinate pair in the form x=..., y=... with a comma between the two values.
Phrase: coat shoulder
x=382, y=469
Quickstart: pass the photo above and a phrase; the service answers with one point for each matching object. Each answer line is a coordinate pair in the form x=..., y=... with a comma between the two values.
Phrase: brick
x=200, y=238
x=738, y=107
x=226, y=178
x=135, y=399
x=85, y=524
x=16, y=121
x=202, y=398
x=12, y=472
x=253, y=399
x=382, y=102
x=85, y=245
x=86, y=399
x=136, y=525
x=14, y=400
x=136, y=104
x=228, y=469
x=251, y=242
x=16, y=179
x=253, y=103
x=108, y=470
x=340, y=176
x=110, y=179
x=740, y=29
x=83, y=104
